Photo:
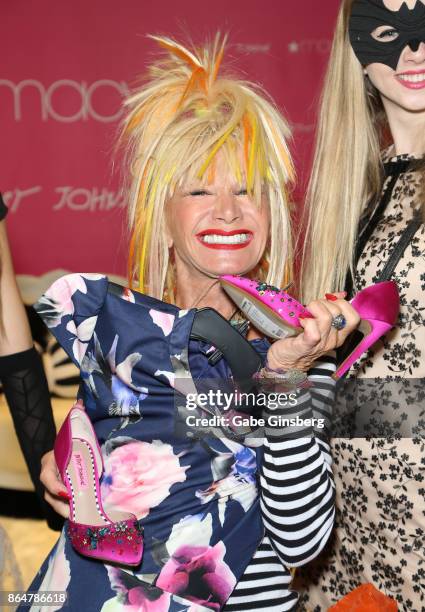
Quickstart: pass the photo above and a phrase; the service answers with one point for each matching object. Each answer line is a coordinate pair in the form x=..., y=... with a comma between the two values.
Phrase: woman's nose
x=227, y=208
x=415, y=51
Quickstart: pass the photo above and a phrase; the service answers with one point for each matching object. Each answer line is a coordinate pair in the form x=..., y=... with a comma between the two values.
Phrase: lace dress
x=380, y=481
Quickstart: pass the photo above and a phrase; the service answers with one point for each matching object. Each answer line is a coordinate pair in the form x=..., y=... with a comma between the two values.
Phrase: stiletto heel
x=116, y=537
x=378, y=306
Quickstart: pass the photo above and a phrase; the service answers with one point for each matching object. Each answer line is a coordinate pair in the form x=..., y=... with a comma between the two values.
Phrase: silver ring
x=339, y=322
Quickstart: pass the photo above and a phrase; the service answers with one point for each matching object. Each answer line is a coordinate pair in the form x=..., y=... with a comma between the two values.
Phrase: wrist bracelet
x=292, y=377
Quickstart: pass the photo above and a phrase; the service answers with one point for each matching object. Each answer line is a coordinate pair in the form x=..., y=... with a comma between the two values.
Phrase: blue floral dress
x=196, y=495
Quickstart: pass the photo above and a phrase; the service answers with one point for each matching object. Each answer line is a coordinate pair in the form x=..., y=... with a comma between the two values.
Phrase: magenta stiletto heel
x=277, y=314
x=116, y=538
x=378, y=307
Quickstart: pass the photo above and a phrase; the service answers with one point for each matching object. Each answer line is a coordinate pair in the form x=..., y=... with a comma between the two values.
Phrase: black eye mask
x=367, y=15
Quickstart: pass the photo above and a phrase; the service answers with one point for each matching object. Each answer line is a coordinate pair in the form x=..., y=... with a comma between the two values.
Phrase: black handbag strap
x=244, y=361
x=397, y=252
x=368, y=226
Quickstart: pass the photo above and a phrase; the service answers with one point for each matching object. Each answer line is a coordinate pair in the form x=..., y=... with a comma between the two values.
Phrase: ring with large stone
x=339, y=322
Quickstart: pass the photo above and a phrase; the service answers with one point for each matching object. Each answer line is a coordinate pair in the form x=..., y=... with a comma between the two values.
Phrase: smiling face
x=388, y=37
x=404, y=87
x=216, y=228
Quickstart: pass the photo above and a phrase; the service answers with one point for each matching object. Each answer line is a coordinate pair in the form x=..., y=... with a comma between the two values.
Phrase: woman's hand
x=318, y=337
x=56, y=494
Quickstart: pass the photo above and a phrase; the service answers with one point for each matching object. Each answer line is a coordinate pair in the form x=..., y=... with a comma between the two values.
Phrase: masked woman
x=224, y=520
x=368, y=178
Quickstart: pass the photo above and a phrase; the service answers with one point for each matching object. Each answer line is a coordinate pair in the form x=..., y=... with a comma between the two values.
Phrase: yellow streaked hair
x=174, y=127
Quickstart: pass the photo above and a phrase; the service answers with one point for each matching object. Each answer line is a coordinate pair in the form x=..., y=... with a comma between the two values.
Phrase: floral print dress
x=380, y=481
x=195, y=491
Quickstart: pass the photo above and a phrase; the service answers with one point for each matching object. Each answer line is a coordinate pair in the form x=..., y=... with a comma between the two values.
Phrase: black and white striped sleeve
x=297, y=489
x=265, y=585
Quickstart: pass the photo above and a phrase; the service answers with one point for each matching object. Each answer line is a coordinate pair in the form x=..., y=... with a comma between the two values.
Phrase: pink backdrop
x=66, y=67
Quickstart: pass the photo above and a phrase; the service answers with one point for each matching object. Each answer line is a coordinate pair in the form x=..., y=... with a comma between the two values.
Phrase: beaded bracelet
x=293, y=377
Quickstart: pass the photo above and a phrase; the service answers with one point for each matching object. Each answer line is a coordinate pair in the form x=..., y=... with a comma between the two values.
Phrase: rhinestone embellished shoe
x=115, y=537
x=276, y=313
x=273, y=311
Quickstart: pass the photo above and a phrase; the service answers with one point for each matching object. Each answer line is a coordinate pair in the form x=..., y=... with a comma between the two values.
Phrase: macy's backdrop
x=66, y=67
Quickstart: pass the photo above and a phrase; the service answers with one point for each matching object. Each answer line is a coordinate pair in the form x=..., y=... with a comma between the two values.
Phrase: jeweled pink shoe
x=378, y=307
x=117, y=537
x=276, y=313
x=271, y=310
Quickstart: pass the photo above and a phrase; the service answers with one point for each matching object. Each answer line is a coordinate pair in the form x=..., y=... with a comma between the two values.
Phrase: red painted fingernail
x=331, y=297
x=306, y=315
x=64, y=494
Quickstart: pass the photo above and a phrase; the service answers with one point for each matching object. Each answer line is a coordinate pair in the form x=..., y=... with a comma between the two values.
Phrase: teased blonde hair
x=347, y=168
x=175, y=125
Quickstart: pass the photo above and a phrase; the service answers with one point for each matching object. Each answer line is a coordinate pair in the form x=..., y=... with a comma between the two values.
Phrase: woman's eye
x=241, y=192
x=199, y=192
x=388, y=34
x=385, y=34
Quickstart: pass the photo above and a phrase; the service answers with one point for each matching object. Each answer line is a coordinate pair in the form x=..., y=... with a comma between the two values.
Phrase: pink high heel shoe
x=378, y=306
x=276, y=313
x=271, y=310
x=116, y=538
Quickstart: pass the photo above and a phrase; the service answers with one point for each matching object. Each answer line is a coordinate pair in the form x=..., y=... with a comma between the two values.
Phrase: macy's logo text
x=65, y=100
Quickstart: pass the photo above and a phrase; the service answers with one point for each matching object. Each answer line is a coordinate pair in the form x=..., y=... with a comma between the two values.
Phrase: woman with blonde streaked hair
x=365, y=203
x=225, y=515
x=240, y=114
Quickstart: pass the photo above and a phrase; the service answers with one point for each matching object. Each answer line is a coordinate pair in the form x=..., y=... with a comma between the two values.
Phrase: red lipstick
x=411, y=84
x=225, y=246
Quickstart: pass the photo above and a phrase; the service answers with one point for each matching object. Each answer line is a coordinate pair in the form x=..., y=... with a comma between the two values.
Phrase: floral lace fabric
x=380, y=481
